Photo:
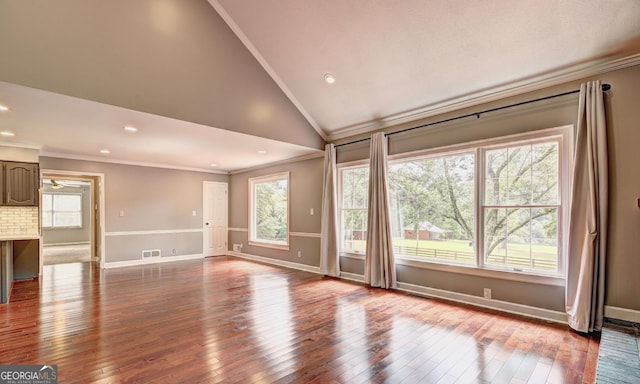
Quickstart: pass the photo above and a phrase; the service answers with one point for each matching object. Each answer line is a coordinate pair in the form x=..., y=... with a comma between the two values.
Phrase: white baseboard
x=281, y=263
x=152, y=260
x=517, y=309
x=625, y=314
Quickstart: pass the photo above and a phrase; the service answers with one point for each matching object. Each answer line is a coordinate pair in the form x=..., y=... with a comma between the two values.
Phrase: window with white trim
x=61, y=210
x=431, y=200
x=522, y=205
x=269, y=211
x=354, y=195
x=498, y=204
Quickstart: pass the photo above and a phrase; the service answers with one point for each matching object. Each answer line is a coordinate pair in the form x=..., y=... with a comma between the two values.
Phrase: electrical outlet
x=121, y=213
x=193, y=213
x=311, y=212
x=487, y=293
x=299, y=253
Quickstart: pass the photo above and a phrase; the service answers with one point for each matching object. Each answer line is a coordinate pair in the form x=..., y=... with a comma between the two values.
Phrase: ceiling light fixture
x=262, y=152
x=7, y=134
x=214, y=164
x=3, y=108
x=329, y=78
x=130, y=129
x=105, y=151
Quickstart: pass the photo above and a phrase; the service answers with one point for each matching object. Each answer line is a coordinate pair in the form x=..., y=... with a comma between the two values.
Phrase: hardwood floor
x=226, y=320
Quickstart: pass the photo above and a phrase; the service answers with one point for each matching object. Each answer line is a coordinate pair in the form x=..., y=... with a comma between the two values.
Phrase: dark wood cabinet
x=19, y=183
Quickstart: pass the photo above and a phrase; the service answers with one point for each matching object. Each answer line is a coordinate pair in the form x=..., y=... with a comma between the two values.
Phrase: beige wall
x=152, y=199
x=305, y=193
x=173, y=58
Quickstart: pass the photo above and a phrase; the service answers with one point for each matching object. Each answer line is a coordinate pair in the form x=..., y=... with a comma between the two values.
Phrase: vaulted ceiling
x=217, y=81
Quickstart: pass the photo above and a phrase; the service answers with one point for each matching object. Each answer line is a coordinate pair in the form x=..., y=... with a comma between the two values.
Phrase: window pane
x=355, y=188
x=432, y=208
x=47, y=205
x=545, y=176
x=61, y=210
x=67, y=202
x=67, y=219
x=270, y=204
x=522, y=238
x=522, y=175
x=47, y=219
x=353, y=209
x=354, y=227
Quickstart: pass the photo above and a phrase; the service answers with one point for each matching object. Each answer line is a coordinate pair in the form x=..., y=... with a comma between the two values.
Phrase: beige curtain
x=588, y=223
x=379, y=264
x=329, y=252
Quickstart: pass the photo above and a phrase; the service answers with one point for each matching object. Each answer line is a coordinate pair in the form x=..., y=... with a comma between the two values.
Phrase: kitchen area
x=19, y=218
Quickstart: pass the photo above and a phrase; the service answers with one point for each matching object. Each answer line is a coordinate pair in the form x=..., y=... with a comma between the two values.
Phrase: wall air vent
x=151, y=253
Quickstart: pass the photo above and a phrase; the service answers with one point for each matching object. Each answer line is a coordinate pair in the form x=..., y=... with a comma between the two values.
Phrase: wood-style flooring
x=226, y=320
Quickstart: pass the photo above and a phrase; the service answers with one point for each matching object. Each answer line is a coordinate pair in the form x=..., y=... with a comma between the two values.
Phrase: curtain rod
x=605, y=87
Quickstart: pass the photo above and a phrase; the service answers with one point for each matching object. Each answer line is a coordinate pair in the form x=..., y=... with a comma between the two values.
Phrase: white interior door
x=214, y=219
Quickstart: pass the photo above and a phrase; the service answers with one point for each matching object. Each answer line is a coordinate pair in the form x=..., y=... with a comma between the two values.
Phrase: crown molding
x=493, y=94
x=314, y=155
x=19, y=145
x=265, y=65
x=126, y=162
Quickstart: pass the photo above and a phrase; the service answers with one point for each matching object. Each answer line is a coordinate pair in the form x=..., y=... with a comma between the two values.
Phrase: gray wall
x=623, y=115
x=153, y=199
x=623, y=262
x=70, y=235
x=305, y=193
x=147, y=55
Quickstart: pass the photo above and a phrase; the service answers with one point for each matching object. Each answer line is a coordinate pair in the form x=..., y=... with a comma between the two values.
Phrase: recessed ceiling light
x=7, y=134
x=214, y=164
x=329, y=78
x=262, y=152
x=131, y=129
x=105, y=151
x=3, y=108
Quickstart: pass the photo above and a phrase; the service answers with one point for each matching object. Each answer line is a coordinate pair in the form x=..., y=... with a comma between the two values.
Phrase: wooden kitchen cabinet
x=20, y=182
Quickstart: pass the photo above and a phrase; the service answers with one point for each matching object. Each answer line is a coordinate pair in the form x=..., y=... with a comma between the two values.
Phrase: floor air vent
x=150, y=253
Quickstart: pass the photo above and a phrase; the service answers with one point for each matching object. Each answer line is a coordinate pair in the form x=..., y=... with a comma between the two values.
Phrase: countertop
x=19, y=236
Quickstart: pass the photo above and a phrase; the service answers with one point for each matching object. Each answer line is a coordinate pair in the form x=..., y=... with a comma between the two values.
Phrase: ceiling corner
x=265, y=65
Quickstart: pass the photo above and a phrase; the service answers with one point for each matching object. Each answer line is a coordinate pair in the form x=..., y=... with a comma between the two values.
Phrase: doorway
x=214, y=217
x=71, y=218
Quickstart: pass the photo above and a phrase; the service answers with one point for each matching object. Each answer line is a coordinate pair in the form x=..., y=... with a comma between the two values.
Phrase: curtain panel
x=329, y=247
x=584, y=298
x=379, y=262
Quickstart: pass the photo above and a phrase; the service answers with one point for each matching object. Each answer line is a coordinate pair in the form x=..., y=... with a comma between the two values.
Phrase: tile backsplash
x=18, y=220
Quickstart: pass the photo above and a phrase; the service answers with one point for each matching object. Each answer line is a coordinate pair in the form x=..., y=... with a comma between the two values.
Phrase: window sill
x=61, y=228
x=483, y=272
x=284, y=247
x=352, y=255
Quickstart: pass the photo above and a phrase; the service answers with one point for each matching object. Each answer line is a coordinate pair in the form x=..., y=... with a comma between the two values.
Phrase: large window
x=61, y=210
x=522, y=206
x=269, y=211
x=432, y=207
x=354, y=193
x=499, y=204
